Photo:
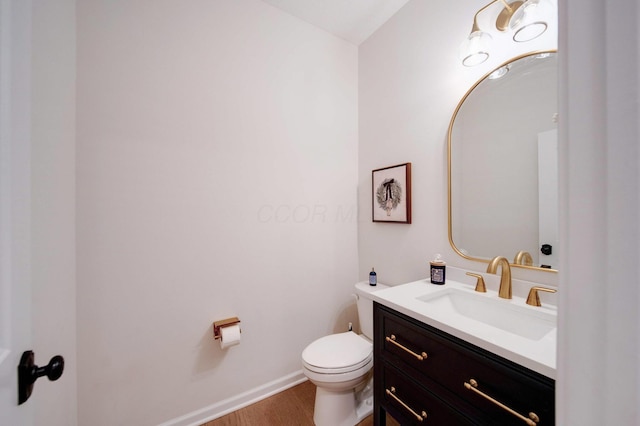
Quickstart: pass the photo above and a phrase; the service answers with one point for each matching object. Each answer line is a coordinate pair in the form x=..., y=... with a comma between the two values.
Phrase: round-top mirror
x=502, y=147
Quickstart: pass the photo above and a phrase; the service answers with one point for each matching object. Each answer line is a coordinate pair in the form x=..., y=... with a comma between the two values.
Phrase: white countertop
x=536, y=353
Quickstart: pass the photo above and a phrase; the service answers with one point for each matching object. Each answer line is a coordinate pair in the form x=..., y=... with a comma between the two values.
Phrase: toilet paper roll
x=230, y=336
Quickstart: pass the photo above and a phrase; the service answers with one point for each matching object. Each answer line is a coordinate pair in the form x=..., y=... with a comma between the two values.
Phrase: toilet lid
x=338, y=353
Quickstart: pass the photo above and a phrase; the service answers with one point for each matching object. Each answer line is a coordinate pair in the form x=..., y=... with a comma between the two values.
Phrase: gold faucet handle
x=533, y=298
x=480, y=287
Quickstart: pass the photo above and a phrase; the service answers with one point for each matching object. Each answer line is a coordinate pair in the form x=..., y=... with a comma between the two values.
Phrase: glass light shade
x=530, y=20
x=475, y=49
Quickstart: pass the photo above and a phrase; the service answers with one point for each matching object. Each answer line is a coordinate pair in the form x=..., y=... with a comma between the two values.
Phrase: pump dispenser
x=438, y=270
x=373, y=277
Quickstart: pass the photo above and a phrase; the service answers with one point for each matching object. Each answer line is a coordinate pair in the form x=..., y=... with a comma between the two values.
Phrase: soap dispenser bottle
x=438, y=270
x=373, y=277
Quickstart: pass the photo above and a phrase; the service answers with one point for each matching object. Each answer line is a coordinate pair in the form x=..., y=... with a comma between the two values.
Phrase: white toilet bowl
x=340, y=366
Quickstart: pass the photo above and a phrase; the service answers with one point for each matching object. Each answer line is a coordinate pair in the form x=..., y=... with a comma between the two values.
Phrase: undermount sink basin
x=522, y=320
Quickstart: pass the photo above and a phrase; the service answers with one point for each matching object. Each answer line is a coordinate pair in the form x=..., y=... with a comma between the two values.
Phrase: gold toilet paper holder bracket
x=223, y=323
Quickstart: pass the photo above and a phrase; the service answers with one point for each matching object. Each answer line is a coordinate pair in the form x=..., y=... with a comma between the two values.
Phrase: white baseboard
x=234, y=403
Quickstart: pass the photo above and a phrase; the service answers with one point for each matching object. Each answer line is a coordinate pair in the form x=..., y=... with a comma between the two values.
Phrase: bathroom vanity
x=424, y=374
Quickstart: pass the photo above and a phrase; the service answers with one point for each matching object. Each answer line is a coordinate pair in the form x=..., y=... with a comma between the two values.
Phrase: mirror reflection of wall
x=548, y=197
x=495, y=179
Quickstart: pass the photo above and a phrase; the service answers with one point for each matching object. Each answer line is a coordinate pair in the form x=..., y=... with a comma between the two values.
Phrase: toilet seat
x=338, y=353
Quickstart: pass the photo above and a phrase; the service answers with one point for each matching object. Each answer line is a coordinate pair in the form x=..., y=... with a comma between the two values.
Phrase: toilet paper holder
x=223, y=323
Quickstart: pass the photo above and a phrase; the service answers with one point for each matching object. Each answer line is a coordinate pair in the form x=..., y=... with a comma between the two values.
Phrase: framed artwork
x=391, y=191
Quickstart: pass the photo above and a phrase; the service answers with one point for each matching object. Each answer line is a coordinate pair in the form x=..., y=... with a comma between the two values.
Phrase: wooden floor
x=293, y=407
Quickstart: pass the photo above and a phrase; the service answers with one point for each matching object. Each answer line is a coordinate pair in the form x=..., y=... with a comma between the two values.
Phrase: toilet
x=340, y=365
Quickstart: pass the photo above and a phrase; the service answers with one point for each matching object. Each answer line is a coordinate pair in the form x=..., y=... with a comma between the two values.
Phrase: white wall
x=53, y=271
x=411, y=81
x=216, y=176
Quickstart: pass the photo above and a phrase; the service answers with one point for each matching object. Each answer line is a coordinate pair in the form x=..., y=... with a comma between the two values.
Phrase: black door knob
x=28, y=373
x=546, y=249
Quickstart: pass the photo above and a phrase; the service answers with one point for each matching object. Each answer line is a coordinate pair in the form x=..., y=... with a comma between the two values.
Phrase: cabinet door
x=410, y=403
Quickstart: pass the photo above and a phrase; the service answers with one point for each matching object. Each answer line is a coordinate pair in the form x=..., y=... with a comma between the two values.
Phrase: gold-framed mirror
x=502, y=165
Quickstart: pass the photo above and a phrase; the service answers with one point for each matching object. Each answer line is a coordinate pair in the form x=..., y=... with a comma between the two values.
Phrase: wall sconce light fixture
x=525, y=19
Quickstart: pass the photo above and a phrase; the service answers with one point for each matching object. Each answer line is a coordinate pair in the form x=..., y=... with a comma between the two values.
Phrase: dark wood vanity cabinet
x=425, y=376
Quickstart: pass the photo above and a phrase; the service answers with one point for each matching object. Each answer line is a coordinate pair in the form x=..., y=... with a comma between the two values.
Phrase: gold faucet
x=523, y=258
x=505, y=278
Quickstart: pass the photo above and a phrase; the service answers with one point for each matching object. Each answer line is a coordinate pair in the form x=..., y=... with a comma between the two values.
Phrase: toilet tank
x=365, y=306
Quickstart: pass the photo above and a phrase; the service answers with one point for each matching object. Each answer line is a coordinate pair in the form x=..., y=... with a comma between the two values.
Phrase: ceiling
x=351, y=20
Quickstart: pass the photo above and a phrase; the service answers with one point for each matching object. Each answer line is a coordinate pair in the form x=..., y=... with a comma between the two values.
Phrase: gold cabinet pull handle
x=392, y=339
x=532, y=420
x=420, y=417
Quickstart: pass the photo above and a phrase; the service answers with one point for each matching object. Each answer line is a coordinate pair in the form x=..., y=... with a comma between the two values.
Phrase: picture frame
x=391, y=194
